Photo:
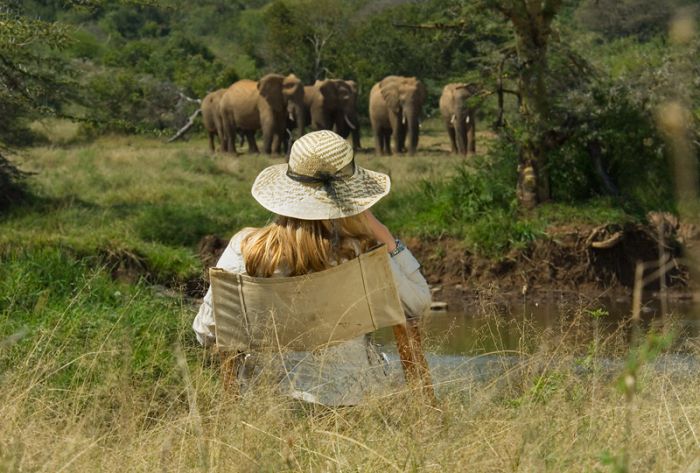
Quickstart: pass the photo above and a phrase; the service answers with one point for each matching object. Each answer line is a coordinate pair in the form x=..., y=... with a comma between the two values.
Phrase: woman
x=322, y=200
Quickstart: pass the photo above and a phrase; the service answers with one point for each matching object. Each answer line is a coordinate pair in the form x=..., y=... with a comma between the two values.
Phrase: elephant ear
x=419, y=93
x=390, y=87
x=293, y=88
x=470, y=88
x=270, y=86
x=345, y=92
x=329, y=91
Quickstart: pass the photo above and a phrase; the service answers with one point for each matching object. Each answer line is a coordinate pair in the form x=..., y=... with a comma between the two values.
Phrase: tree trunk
x=533, y=179
x=531, y=21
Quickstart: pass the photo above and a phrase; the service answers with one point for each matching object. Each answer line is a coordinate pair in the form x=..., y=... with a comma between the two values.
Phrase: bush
x=124, y=101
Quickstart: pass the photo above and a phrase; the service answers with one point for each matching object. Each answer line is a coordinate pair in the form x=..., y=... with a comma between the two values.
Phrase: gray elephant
x=331, y=104
x=212, y=119
x=459, y=117
x=264, y=105
x=395, y=106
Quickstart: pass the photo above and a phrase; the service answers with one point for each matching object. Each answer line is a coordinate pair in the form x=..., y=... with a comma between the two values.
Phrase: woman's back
x=321, y=199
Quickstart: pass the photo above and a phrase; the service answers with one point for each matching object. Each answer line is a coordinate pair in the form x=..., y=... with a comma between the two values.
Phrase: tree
x=300, y=34
x=532, y=24
x=32, y=84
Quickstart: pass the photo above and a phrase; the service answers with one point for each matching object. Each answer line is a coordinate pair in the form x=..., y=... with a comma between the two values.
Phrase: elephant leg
x=267, y=141
x=399, y=139
x=378, y=145
x=386, y=138
x=276, y=145
x=228, y=130
x=356, y=139
x=232, y=142
x=212, y=146
x=451, y=134
x=461, y=135
x=222, y=135
x=471, y=134
x=252, y=145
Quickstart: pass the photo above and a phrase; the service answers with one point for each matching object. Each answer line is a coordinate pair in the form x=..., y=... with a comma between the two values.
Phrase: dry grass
x=550, y=409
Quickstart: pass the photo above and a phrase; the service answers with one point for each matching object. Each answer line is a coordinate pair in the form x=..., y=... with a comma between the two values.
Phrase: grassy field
x=100, y=371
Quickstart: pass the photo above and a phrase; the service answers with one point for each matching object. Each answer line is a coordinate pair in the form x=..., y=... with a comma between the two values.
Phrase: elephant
x=459, y=117
x=331, y=104
x=395, y=105
x=264, y=105
x=347, y=121
x=212, y=119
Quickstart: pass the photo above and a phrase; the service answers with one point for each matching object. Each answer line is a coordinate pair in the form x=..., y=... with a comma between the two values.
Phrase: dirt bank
x=577, y=258
x=581, y=258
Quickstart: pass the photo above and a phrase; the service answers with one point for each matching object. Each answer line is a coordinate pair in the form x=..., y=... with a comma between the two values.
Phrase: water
x=482, y=343
x=513, y=326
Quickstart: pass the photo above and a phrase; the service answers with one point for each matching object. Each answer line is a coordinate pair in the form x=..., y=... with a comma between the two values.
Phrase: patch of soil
x=580, y=259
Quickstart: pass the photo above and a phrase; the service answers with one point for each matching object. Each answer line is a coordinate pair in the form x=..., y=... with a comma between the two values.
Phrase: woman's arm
x=410, y=283
x=381, y=233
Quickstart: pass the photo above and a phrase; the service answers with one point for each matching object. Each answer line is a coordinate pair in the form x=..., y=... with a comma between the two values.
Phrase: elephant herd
x=281, y=107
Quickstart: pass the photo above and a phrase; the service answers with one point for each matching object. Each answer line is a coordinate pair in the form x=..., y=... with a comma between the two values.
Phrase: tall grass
x=102, y=376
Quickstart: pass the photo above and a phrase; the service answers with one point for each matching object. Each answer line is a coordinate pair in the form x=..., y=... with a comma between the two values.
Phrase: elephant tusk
x=291, y=117
x=347, y=120
x=466, y=120
x=403, y=119
x=453, y=119
x=420, y=124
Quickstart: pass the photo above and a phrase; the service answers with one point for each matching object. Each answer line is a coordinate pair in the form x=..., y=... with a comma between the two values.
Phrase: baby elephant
x=459, y=116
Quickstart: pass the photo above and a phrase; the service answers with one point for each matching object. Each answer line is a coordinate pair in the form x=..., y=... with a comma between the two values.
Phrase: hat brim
x=311, y=201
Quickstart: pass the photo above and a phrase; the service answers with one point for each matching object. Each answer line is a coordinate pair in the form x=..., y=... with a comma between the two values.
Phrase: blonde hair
x=299, y=247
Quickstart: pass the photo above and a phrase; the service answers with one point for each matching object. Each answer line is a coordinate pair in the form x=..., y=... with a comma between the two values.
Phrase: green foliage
x=33, y=82
x=598, y=313
x=624, y=137
x=49, y=292
x=619, y=18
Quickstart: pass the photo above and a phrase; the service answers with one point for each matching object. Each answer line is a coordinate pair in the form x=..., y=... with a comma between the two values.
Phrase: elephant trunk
x=461, y=134
x=299, y=118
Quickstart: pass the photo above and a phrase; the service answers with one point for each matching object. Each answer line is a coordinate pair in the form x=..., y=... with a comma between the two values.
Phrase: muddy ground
x=575, y=259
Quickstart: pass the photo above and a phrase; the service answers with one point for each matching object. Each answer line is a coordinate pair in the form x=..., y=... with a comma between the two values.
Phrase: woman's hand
x=381, y=233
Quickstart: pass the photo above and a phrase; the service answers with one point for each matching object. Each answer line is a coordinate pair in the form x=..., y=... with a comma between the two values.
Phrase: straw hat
x=321, y=181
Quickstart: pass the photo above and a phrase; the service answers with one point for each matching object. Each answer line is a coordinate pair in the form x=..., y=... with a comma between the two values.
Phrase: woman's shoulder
x=232, y=257
x=237, y=239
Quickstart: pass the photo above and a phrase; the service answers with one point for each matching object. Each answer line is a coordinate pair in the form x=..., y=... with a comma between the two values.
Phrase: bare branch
x=433, y=26
x=188, y=125
x=189, y=99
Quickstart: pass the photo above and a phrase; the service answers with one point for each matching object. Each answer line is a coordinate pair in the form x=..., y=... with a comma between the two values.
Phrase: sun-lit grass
x=138, y=195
